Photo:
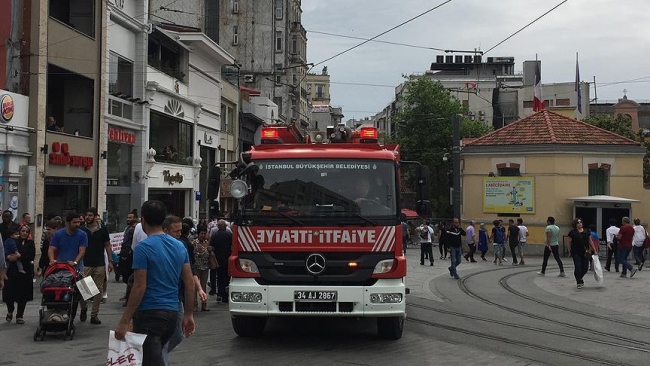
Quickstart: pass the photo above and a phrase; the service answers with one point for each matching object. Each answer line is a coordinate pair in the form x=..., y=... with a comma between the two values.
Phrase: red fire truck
x=317, y=232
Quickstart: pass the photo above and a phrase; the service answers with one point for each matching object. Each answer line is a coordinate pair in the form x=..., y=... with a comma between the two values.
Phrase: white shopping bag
x=127, y=352
x=598, y=269
x=87, y=288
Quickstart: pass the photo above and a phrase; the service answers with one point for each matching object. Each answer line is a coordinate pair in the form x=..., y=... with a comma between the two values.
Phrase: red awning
x=410, y=214
x=250, y=91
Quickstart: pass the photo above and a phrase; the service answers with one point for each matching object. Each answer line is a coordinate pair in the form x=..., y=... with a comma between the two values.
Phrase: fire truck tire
x=390, y=327
x=248, y=326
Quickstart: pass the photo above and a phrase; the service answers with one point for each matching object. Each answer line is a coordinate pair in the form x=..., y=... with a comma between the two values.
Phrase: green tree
x=622, y=125
x=425, y=134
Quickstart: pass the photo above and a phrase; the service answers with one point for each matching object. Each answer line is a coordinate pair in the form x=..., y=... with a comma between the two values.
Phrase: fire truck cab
x=317, y=231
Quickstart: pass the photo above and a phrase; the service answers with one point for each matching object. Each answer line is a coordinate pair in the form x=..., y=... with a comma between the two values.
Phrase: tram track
x=529, y=345
x=465, y=288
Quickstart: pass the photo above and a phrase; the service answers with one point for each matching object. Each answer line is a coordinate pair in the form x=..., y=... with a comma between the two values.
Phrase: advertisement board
x=509, y=195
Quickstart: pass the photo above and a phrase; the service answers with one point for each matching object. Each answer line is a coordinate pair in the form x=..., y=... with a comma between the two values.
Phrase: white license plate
x=315, y=296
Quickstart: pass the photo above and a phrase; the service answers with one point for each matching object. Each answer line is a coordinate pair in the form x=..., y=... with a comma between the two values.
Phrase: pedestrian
x=3, y=266
x=125, y=261
x=27, y=220
x=512, y=236
x=552, y=233
x=498, y=239
x=612, y=244
x=69, y=245
x=158, y=263
x=426, y=246
x=625, y=236
x=98, y=250
x=580, y=247
x=471, y=240
x=505, y=240
x=455, y=246
x=18, y=290
x=640, y=235
x=7, y=223
x=202, y=251
x=442, y=244
x=483, y=239
x=221, y=242
x=523, y=237
x=174, y=227
x=51, y=227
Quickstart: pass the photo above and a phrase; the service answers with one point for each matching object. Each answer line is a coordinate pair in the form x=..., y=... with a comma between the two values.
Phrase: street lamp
x=455, y=150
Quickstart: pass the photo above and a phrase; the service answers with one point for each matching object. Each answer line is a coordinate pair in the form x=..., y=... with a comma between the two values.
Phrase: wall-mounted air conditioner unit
x=249, y=78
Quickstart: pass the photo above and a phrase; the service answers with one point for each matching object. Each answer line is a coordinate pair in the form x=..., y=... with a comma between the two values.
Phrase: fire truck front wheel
x=248, y=326
x=390, y=327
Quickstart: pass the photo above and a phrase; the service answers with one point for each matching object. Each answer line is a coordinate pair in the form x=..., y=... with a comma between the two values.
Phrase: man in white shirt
x=612, y=244
x=138, y=235
x=470, y=239
x=523, y=235
x=426, y=244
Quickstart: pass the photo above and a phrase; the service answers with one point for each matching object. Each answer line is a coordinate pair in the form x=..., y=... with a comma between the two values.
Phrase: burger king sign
x=7, y=108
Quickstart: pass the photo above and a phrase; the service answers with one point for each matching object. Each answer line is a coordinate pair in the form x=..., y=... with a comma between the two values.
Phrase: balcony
x=296, y=27
x=297, y=57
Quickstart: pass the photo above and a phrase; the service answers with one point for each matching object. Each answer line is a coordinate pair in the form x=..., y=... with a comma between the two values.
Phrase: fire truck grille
x=340, y=268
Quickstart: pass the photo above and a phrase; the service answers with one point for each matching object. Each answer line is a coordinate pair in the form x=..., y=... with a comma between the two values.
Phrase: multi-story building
x=318, y=86
x=269, y=43
x=637, y=111
x=67, y=87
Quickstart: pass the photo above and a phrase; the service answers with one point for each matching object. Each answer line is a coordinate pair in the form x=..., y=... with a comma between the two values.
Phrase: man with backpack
x=612, y=244
x=426, y=242
x=455, y=246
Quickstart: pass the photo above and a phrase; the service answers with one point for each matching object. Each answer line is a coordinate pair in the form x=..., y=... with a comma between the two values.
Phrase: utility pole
x=456, y=199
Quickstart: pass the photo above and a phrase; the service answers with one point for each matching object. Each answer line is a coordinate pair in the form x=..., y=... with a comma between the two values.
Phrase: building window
x=295, y=79
x=77, y=14
x=118, y=165
x=509, y=172
x=528, y=104
x=235, y=35
x=173, y=146
x=230, y=120
x=319, y=91
x=278, y=102
x=278, y=41
x=563, y=102
x=294, y=44
x=120, y=86
x=70, y=102
x=598, y=181
x=279, y=9
x=212, y=20
x=66, y=195
x=165, y=57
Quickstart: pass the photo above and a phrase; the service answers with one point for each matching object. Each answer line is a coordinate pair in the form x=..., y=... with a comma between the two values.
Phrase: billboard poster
x=509, y=195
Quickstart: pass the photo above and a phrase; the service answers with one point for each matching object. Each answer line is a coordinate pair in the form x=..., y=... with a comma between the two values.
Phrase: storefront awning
x=603, y=199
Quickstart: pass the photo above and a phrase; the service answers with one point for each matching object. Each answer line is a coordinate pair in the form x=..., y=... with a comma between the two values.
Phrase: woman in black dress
x=19, y=286
x=580, y=247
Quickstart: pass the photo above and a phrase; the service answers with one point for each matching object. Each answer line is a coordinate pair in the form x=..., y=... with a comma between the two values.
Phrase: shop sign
x=509, y=195
x=60, y=155
x=119, y=135
x=172, y=178
x=7, y=105
x=207, y=139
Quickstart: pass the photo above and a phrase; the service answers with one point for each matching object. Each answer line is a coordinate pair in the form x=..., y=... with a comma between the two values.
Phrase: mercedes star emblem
x=315, y=263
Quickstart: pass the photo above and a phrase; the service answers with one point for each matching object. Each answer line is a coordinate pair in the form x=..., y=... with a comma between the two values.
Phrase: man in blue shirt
x=158, y=263
x=69, y=245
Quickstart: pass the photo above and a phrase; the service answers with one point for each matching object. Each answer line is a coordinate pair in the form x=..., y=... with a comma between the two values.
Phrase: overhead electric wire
x=382, y=33
x=524, y=27
x=378, y=41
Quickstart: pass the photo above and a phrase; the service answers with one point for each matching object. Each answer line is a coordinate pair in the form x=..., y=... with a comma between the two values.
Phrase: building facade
x=67, y=99
x=318, y=86
x=551, y=165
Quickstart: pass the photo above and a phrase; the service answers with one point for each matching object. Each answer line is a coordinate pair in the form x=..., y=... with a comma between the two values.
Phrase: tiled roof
x=547, y=127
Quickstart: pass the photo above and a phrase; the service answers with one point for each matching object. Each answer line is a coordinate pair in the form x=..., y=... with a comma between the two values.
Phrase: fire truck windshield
x=320, y=188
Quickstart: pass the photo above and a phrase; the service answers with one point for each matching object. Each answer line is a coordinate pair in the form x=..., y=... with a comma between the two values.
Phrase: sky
x=612, y=38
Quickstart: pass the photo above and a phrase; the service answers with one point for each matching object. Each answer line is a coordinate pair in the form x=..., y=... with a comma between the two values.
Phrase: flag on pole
x=538, y=102
x=578, y=85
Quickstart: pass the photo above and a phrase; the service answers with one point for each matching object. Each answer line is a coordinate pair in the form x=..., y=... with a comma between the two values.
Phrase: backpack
x=498, y=238
x=424, y=233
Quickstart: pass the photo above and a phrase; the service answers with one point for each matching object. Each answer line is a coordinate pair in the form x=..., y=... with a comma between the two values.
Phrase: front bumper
x=353, y=301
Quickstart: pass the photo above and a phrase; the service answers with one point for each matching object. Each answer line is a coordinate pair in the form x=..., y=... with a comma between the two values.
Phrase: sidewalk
x=626, y=295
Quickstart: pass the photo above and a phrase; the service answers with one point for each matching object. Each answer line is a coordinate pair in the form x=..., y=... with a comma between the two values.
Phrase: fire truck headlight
x=248, y=266
x=386, y=298
x=384, y=266
x=238, y=189
x=246, y=297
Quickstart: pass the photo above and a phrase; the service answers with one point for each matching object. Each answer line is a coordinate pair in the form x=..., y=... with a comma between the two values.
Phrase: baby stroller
x=59, y=301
